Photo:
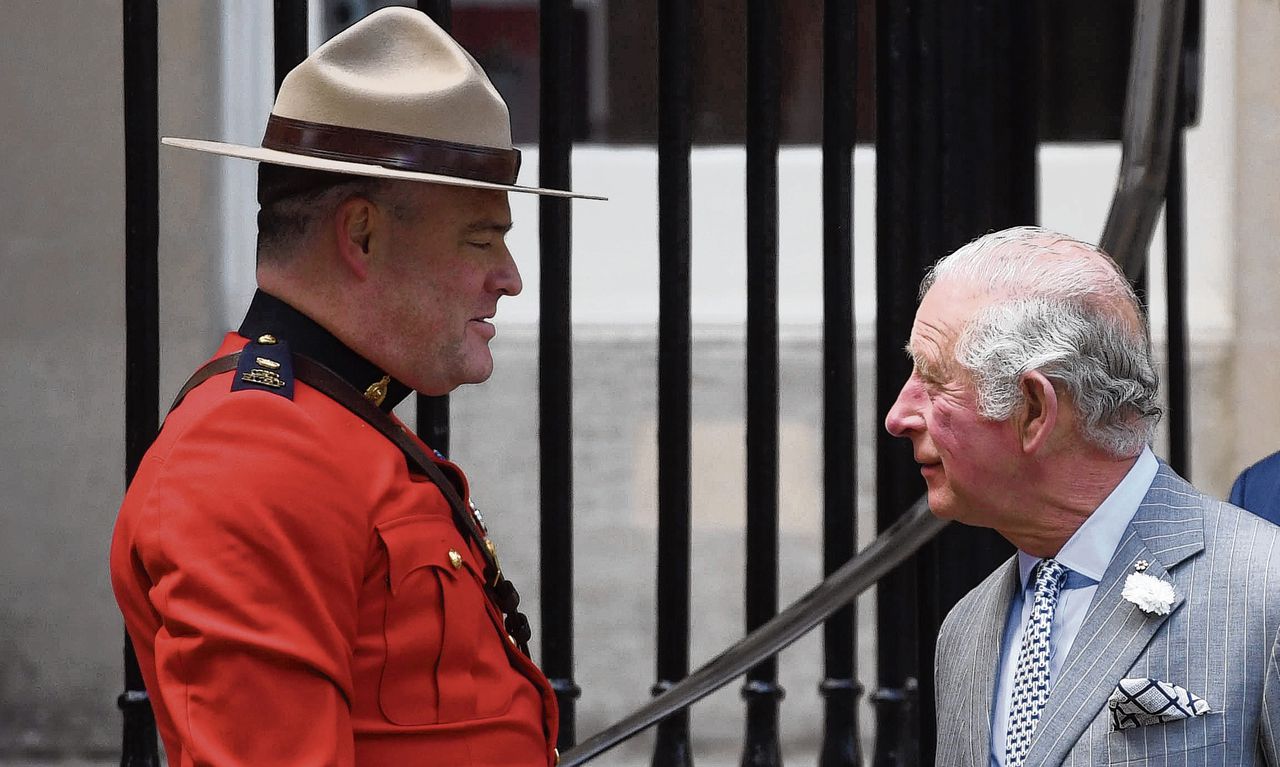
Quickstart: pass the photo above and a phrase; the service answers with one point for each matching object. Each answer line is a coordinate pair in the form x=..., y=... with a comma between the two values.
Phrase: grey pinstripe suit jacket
x=1219, y=642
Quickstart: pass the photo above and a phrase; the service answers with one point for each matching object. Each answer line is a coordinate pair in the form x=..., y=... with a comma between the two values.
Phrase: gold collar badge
x=377, y=391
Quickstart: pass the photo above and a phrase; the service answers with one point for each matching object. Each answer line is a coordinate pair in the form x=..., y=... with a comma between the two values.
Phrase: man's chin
x=943, y=506
x=440, y=385
x=479, y=370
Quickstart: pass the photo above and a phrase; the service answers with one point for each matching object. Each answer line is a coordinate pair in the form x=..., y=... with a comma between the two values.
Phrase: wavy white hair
x=1062, y=307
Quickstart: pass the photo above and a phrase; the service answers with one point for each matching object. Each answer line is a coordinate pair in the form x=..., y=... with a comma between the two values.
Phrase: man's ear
x=355, y=222
x=1038, y=416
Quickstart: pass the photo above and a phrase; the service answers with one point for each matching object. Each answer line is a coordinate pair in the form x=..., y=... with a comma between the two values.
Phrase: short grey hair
x=1062, y=307
x=285, y=224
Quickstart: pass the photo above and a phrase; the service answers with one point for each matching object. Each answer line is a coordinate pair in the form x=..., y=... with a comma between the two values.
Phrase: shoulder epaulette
x=265, y=365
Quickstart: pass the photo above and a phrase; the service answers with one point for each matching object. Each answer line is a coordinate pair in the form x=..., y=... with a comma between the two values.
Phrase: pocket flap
x=422, y=540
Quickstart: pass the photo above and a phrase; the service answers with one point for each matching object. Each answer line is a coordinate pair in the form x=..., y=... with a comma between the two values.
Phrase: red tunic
x=296, y=596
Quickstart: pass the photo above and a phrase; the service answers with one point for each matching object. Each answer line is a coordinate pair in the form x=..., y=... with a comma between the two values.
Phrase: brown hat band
x=392, y=150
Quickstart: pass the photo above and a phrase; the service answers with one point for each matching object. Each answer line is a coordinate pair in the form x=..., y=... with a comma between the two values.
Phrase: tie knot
x=1049, y=575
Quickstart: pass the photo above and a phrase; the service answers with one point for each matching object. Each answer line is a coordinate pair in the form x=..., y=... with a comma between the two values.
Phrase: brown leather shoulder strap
x=331, y=385
x=500, y=590
x=210, y=369
x=325, y=381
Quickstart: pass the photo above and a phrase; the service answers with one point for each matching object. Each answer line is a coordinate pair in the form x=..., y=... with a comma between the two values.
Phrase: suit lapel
x=983, y=631
x=1167, y=529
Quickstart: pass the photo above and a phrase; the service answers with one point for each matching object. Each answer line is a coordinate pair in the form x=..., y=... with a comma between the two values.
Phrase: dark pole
x=433, y=412
x=142, y=313
x=671, y=746
x=290, y=36
x=955, y=159
x=1175, y=251
x=762, y=691
x=555, y=359
x=1175, y=238
x=1175, y=235
x=840, y=687
x=902, y=227
x=440, y=11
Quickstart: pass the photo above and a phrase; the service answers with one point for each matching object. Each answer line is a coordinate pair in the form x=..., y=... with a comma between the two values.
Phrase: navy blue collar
x=269, y=315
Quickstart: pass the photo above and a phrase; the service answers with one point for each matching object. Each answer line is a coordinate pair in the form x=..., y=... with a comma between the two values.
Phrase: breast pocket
x=1203, y=736
x=435, y=614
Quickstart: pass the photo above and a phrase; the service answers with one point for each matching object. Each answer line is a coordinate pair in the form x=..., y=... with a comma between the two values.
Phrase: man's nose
x=905, y=416
x=506, y=280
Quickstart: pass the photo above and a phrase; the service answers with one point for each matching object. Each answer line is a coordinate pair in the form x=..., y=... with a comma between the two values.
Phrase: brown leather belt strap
x=332, y=385
x=392, y=150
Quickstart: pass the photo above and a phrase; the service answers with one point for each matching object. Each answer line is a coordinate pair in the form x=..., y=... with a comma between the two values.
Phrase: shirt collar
x=1089, y=550
x=268, y=314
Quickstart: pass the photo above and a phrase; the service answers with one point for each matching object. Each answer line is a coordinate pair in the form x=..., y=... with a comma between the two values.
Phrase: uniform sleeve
x=255, y=539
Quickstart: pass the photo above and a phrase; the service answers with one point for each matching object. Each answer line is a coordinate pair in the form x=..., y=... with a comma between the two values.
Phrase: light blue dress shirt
x=1086, y=554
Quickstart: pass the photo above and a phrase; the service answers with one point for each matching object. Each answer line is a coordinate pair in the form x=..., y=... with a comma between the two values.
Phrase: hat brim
x=355, y=168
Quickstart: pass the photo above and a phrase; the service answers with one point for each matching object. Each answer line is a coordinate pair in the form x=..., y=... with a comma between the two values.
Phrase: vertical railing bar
x=948, y=168
x=840, y=687
x=142, y=232
x=905, y=226
x=432, y=425
x=289, y=31
x=140, y=58
x=440, y=11
x=762, y=692
x=671, y=745
x=1176, y=300
x=1175, y=237
x=555, y=359
x=432, y=413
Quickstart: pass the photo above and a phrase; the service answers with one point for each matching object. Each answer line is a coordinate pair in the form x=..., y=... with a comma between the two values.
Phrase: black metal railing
x=555, y=360
x=672, y=565
x=955, y=157
x=762, y=691
x=840, y=688
x=142, y=311
x=431, y=413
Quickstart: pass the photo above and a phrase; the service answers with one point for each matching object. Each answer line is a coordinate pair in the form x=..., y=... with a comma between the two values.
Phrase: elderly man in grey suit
x=1137, y=623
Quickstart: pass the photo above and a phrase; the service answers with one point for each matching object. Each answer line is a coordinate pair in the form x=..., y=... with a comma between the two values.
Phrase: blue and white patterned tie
x=1031, y=680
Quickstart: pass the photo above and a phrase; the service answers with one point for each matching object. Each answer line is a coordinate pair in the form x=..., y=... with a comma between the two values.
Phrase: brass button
x=512, y=640
x=556, y=752
x=268, y=364
x=267, y=339
x=455, y=558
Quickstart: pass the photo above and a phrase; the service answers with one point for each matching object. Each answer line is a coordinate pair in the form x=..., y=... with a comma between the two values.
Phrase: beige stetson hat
x=393, y=96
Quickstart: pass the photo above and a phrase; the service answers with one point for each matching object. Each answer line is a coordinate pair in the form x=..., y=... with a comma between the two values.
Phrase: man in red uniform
x=303, y=581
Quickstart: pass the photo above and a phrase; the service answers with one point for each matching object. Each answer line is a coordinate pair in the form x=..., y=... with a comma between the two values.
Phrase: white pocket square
x=1140, y=702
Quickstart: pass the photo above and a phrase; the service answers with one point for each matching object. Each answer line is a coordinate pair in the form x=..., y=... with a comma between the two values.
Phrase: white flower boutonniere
x=1152, y=595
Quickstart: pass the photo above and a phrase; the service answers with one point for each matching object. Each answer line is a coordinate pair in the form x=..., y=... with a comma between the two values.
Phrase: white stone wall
x=1252, y=415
